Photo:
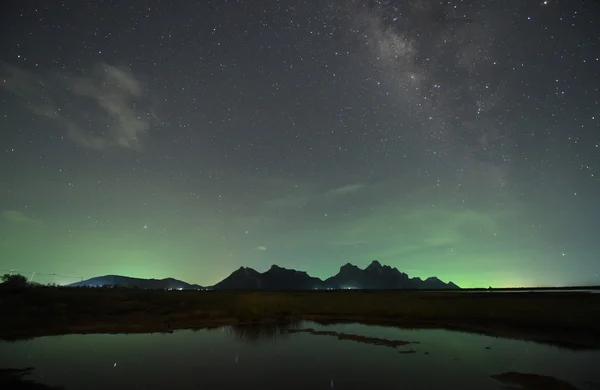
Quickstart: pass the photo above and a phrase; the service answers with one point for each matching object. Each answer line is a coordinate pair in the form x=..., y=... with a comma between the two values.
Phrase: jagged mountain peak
x=131, y=282
x=375, y=276
x=245, y=270
x=348, y=266
x=375, y=265
x=278, y=268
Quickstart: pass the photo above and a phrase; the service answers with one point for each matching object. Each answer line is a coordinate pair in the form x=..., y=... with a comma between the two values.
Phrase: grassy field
x=53, y=310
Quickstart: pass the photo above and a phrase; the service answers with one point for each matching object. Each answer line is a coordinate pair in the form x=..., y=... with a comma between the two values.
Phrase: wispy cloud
x=291, y=196
x=261, y=248
x=18, y=217
x=345, y=190
x=105, y=108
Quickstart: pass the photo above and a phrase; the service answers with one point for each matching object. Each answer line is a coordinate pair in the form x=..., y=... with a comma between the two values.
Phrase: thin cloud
x=308, y=195
x=103, y=109
x=261, y=248
x=345, y=190
x=20, y=218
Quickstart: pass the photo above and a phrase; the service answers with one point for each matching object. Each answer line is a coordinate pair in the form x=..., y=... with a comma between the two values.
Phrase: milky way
x=457, y=139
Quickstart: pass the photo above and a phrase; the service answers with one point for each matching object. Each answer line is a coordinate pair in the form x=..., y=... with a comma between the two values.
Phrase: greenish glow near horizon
x=472, y=248
x=332, y=132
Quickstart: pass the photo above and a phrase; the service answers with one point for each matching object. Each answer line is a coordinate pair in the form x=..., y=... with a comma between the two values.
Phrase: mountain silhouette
x=243, y=278
x=278, y=278
x=374, y=277
x=126, y=281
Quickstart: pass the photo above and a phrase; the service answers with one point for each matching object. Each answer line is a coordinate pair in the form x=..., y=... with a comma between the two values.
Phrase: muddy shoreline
x=562, y=338
x=563, y=320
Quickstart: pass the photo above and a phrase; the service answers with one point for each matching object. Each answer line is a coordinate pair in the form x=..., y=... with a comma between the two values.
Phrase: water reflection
x=296, y=356
x=16, y=379
x=357, y=338
x=581, y=341
x=260, y=333
x=533, y=381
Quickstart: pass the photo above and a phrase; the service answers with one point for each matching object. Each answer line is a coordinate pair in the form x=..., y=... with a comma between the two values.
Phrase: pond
x=305, y=356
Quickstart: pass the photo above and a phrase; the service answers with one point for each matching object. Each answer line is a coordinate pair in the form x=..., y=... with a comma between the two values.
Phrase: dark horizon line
x=574, y=287
x=569, y=287
x=325, y=289
x=281, y=267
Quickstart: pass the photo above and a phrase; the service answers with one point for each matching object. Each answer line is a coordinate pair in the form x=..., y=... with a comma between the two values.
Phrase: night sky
x=185, y=139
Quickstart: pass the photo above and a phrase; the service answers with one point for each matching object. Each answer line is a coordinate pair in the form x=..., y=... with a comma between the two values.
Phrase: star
x=421, y=127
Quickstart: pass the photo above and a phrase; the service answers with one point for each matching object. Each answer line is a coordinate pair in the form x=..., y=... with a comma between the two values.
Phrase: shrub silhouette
x=13, y=282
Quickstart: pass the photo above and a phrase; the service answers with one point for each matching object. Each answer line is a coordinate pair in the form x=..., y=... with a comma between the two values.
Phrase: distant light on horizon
x=340, y=135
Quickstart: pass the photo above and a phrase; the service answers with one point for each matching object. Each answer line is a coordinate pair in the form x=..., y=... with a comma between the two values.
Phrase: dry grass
x=52, y=310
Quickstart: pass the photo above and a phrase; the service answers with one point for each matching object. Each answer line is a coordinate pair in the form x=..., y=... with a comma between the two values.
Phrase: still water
x=331, y=357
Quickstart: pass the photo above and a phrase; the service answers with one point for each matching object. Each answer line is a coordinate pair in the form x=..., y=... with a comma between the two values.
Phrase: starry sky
x=185, y=139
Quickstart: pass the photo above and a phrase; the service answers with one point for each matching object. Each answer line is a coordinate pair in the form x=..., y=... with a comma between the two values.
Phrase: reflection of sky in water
x=217, y=359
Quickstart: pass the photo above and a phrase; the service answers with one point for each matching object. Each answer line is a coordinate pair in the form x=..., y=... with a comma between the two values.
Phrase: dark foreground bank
x=566, y=319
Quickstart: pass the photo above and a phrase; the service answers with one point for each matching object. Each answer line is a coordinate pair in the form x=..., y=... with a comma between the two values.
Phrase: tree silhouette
x=14, y=281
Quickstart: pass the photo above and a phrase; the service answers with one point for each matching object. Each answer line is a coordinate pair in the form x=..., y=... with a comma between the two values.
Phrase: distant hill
x=241, y=279
x=126, y=281
x=373, y=277
x=381, y=277
x=278, y=278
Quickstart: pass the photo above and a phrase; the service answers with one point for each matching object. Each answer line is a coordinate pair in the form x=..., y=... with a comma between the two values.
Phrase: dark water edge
x=44, y=311
x=557, y=337
x=554, y=336
x=17, y=379
x=414, y=344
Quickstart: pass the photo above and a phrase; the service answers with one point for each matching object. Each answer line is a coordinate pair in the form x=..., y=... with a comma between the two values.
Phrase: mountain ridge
x=128, y=281
x=373, y=277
